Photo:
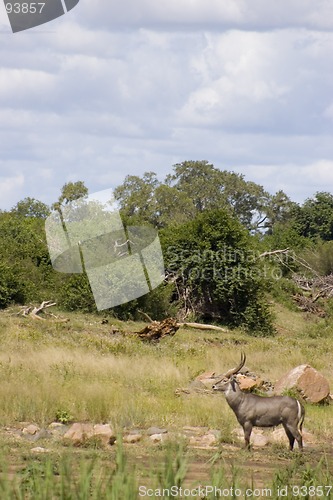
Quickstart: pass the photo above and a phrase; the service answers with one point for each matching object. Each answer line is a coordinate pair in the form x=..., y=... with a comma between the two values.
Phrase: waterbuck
x=257, y=411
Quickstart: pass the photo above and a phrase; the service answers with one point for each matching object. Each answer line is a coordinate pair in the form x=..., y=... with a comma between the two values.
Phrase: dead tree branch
x=201, y=326
x=35, y=311
x=273, y=252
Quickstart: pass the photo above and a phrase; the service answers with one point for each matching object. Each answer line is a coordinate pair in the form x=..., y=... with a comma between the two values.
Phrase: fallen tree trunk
x=159, y=329
x=202, y=326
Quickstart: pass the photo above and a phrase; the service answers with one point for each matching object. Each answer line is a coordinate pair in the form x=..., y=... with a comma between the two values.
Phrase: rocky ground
x=80, y=434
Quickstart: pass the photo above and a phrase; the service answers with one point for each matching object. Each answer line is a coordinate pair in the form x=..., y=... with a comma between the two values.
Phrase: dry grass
x=79, y=367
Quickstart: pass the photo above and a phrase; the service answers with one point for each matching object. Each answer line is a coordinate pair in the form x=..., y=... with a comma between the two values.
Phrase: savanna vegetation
x=220, y=237
x=256, y=263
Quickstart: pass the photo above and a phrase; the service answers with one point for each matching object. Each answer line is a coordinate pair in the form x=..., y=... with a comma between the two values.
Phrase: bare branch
x=200, y=326
x=273, y=252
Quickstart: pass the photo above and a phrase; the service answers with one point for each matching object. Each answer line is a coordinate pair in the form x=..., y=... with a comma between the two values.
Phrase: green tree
x=315, y=218
x=210, y=188
x=26, y=269
x=71, y=191
x=200, y=181
x=30, y=207
x=136, y=197
x=216, y=273
x=192, y=188
x=173, y=206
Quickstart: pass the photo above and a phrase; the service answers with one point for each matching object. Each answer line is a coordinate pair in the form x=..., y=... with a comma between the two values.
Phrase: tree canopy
x=213, y=225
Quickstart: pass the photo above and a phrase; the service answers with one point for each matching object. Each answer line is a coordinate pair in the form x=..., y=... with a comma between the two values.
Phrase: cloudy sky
x=115, y=88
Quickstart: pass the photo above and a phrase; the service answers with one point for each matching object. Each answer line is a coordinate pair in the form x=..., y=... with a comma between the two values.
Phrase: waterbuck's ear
x=233, y=383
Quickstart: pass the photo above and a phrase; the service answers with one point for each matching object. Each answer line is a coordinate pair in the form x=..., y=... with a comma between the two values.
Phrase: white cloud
x=24, y=84
x=11, y=189
x=208, y=14
x=121, y=88
x=298, y=181
x=261, y=80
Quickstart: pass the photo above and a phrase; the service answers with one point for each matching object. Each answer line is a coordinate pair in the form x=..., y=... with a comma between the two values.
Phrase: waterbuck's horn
x=233, y=371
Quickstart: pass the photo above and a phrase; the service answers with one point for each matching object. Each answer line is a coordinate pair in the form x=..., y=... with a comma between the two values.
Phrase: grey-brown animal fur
x=257, y=411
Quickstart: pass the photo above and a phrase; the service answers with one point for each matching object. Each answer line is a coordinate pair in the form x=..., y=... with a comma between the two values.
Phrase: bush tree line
x=214, y=226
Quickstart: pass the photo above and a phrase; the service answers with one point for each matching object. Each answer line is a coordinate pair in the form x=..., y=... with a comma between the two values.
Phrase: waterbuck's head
x=228, y=381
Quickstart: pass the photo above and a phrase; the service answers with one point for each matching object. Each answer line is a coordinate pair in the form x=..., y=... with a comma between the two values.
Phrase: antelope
x=258, y=411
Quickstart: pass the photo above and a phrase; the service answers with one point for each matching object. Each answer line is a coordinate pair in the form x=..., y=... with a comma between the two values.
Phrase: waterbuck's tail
x=301, y=415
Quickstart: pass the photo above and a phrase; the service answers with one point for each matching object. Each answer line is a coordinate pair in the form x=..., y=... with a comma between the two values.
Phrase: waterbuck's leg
x=299, y=440
x=290, y=437
x=293, y=434
x=247, y=427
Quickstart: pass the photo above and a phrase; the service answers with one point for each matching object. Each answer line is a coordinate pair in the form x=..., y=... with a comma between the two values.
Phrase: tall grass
x=79, y=368
x=66, y=479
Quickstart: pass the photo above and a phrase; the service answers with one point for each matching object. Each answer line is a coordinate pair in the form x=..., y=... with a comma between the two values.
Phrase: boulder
x=205, y=441
x=156, y=430
x=309, y=382
x=79, y=433
x=246, y=383
x=40, y=449
x=157, y=438
x=278, y=436
x=208, y=379
x=258, y=439
x=31, y=429
x=132, y=438
x=206, y=375
x=57, y=429
x=105, y=433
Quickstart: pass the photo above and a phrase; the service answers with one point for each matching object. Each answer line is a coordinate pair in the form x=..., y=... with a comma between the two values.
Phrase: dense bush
x=216, y=273
x=75, y=294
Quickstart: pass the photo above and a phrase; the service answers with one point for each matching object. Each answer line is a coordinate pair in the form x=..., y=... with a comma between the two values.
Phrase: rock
x=39, y=449
x=30, y=433
x=195, y=430
x=79, y=433
x=205, y=375
x=197, y=385
x=238, y=433
x=278, y=436
x=308, y=438
x=205, y=441
x=208, y=379
x=217, y=433
x=57, y=429
x=132, y=438
x=246, y=383
x=105, y=433
x=308, y=381
x=156, y=430
x=258, y=440
x=31, y=429
x=42, y=434
x=157, y=438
